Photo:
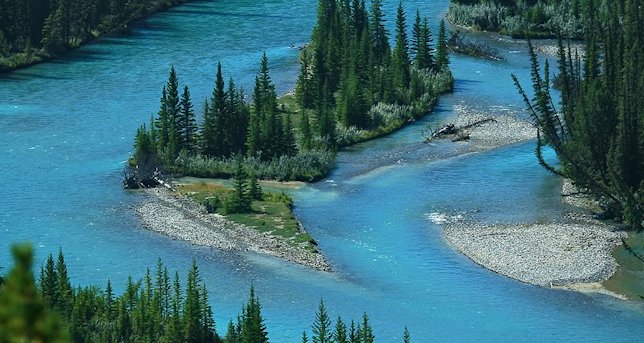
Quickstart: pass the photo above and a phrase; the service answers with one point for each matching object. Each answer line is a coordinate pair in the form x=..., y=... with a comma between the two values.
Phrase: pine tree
x=340, y=332
x=188, y=127
x=253, y=329
x=48, y=283
x=240, y=200
x=367, y=331
x=254, y=188
x=288, y=146
x=400, y=58
x=64, y=291
x=162, y=122
x=406, y=336
x=305, y=130
x=192, y=316
x=219, y=116
x=172, y=108
x=23, y=315
x=442, y=57
x=304, y=87
x=322, y=326
x=381, y=49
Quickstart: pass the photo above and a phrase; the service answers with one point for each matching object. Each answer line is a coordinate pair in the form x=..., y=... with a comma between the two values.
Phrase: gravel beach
x=178, y=217
x=573, y=254
x=556, y=254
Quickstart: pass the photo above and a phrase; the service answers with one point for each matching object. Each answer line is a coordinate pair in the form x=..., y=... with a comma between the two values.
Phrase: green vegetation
x=523, y=18
x=35, y=30
x=156, y=308
x=295, y=138
x=268, y=211
x=598, y=133
x=353, y=86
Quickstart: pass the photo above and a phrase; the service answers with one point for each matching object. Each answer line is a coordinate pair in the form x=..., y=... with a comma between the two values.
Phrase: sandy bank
x=180, y=218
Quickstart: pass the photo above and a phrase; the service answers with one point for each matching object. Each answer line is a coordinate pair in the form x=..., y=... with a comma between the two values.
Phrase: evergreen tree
x=322, y=332
x=304, y=86
x=48, y=282
x=340, y=332
x=305, y=130
x=172, y=108
x=192, y=327
x=400, y=59
x=188, y=127
x=240, y=200
x=367, y=331
x=23, y=315
x=218, y=112
x=288, y=146
x=64, y=292
x=596, y=135
x=406, y=336
x=253, y=329
x=254, y=188
x=162, y=122
x=381, y=49
x=442, y=57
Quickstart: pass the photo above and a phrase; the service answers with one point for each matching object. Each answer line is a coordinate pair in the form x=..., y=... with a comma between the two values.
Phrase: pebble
x=180, y=218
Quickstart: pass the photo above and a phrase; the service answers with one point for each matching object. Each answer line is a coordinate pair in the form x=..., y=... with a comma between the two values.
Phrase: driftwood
x=455, y=133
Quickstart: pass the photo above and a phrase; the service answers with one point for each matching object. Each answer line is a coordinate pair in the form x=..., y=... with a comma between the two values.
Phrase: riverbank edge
x=40, y=56
x=179, y=217
x=516, y=250
x=566, y=255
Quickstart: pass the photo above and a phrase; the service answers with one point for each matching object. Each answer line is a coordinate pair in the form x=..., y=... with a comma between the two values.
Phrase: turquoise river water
x=66, y=129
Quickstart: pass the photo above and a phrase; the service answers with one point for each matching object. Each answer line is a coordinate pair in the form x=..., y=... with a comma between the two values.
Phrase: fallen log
x=452, y=131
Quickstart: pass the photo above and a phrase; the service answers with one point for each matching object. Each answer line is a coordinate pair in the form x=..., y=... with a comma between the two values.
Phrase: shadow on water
x=81, y=55
x=23, y=75
x=191, y=12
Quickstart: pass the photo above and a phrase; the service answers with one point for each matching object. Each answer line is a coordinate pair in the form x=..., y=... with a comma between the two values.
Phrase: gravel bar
x=550, y=255
x=180, y=218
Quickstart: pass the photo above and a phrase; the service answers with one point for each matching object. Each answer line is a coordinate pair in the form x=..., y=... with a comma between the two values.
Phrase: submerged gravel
x=179, y=217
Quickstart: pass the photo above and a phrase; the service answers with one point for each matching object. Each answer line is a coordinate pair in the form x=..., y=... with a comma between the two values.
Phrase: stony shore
x=180, y=218
x=559, y=254
x=574, y=253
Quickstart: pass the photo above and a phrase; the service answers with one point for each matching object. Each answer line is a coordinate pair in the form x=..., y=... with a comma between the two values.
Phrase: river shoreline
x=180, y=218
x=574, y=253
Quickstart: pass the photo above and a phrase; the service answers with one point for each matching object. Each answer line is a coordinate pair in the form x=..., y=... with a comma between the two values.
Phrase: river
x=66, y=129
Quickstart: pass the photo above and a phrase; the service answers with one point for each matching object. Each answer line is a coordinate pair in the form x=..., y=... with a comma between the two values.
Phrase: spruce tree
x=192, y=316
x=188, y=125
x=400, y=59
x=23, y=315
x=253, y=329
x=381, y=48
x=442, y=56
x=406, y=336
x=240, y=200
x=172, y=108
x=48, y=283
x=219, y=116
x=64, y=291
x=322, y=332
x=340, y=332
x=305, y=130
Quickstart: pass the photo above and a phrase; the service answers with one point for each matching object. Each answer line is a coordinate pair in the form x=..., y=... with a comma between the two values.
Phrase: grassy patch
x=273, y=213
